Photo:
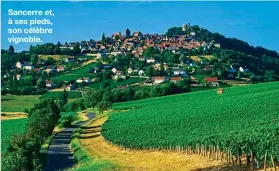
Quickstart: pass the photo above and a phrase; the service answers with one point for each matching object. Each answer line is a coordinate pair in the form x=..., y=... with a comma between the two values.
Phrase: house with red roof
x=211, y=81
x=158, y=80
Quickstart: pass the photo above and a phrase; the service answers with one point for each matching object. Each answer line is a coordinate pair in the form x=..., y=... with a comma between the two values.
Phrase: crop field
x=10, y=127
x=209, y=57
x=57, y=94
x=18, y=103
x=195, y=58
x=55, y=57
x=241, y=121
x=114, y=83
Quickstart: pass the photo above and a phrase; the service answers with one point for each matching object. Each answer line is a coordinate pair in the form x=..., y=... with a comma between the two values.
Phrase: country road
x=59, y=155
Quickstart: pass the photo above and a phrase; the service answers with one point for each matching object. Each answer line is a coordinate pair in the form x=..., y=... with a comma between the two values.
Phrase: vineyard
x=10, y=127
x=240, y=124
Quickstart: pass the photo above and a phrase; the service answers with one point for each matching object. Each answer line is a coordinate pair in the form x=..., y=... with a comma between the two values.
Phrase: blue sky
x=254, y=22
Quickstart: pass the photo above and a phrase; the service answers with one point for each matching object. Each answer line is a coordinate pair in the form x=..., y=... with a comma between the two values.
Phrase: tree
x=162, y=69
x=268, y=76
x=92, y=98
x=57, y=50
x=148, y=52
x=11, y=49
x=64, y=96
x=31, y=49
x=150, y=71
x=34, y=59
x=103, y=40
x=106, y=84
x=103, y=105
x=182, y=58
x=76, y=49
x=116, y=37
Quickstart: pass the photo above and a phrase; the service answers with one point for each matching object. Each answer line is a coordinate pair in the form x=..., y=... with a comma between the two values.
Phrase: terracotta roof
x=60, y=67
x=211, y=79
x=159, y=78
x=175, y=78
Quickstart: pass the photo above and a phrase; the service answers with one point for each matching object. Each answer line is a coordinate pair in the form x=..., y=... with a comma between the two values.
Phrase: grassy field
x=9, y=127
x=55, y=57
x=114, y=83
x=243, y=119
x=18, y=103
x=57, y=94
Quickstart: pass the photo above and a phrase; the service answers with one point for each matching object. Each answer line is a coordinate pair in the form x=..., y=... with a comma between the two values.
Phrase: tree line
x=24, y=149
x=51, y=49
x=102, y=99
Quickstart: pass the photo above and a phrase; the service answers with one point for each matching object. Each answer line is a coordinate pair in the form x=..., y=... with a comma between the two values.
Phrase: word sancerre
x=24, y=12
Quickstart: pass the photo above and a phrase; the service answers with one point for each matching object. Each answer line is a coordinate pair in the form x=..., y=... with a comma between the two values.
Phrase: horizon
x=88, y=20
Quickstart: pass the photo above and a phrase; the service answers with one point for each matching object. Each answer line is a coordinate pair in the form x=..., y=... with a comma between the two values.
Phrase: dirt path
x=135, y=160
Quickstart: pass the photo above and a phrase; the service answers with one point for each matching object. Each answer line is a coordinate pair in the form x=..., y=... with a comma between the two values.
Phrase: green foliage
x=269, y=75
x=150, y=52
x=11, y=49
x=66, y=119
x=64, y=96
x=77, y=105
x=242, y=118
x=34, y=59
x=92, y=98
x=175, y=31
x=76, y=49
x=104, y=105
x=103, y=40
x=9, y=128
x=24, y=149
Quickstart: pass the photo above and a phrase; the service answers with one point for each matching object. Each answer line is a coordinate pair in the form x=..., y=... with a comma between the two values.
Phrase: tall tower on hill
x=185, y=27
x=127, y=33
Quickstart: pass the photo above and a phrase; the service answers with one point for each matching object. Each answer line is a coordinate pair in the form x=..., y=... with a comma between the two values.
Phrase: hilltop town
x=183, y=53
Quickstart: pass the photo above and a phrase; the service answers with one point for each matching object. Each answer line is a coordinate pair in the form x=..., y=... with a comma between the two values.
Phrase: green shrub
x=66, y=119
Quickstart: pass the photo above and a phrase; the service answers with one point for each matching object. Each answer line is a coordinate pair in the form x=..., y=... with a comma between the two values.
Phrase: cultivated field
x=18, y=103
x=8, y=128
x=241, y=121
x=55, y=57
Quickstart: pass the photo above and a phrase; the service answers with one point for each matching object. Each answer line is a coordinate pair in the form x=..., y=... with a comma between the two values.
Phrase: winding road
x=59, y=155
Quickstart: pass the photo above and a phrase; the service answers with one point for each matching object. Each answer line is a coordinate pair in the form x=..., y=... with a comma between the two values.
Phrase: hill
x=243, y=119
x=233, y=51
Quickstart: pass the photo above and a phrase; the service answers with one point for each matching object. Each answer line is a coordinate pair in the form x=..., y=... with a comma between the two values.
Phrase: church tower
x=127, y=33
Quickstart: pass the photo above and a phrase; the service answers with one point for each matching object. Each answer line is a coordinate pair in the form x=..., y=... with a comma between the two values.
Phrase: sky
x=254, y=22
